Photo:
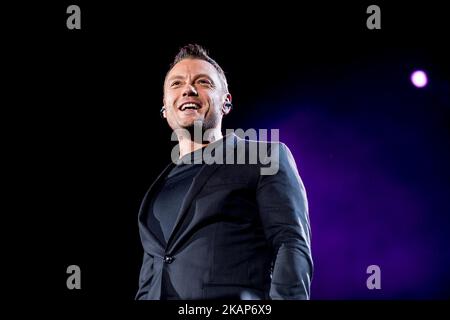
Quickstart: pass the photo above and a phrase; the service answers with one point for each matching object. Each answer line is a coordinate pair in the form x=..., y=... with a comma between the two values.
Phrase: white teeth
x=189, y=105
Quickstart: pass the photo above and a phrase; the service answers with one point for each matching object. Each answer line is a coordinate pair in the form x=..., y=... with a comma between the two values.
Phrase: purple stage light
x=419, y=79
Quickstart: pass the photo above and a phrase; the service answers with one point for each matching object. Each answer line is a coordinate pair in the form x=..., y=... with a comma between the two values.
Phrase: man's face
x=193, y=92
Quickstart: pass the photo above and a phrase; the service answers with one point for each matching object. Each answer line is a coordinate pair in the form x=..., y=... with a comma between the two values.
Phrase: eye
x=205, y=82
x=175, y=83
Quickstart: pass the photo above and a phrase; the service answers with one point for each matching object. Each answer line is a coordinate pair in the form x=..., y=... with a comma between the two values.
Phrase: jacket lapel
x=148, y=237
x=197, y=184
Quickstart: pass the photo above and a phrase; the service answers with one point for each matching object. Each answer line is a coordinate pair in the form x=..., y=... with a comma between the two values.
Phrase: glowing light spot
x=419, y=79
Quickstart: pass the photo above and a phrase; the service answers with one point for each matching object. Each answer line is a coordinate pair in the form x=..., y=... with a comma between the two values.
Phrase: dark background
x=373, y=150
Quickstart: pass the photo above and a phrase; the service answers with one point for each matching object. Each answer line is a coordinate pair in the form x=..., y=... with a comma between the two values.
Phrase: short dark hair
x=195, y=51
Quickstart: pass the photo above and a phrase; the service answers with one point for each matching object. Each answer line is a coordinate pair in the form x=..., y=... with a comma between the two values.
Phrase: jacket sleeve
x=283, y=208
x=145, y=276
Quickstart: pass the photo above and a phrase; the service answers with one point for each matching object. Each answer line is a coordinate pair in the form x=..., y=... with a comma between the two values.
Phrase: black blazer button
x=168, y=259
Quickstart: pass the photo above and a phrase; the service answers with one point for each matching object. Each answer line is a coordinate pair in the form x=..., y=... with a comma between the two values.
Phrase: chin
x=190, y=122
x=187, y=125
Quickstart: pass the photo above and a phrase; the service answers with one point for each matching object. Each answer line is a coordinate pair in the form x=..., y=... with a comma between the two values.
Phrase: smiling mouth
x=189, y=106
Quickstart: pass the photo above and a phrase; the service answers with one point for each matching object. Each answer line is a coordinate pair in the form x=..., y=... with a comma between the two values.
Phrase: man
x=222, y=229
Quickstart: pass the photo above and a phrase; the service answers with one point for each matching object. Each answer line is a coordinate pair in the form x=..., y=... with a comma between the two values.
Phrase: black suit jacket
x=238, y=235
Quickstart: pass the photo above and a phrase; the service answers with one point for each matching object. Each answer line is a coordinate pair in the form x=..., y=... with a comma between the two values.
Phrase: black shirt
x=167, y=201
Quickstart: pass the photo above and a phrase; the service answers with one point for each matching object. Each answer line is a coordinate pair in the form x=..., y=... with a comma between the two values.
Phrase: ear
x=227, y=106
x=163, y=113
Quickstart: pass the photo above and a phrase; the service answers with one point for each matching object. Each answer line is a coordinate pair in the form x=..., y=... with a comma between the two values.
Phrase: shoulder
x=263, y=148
x=267, y=156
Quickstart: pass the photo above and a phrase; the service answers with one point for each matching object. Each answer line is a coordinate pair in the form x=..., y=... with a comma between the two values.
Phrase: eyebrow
x=201, y=75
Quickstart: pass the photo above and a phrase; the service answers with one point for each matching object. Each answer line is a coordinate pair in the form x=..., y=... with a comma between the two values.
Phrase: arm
x=283, y=209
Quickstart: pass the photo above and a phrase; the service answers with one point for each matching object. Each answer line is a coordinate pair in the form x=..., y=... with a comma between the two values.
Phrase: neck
x=188, y=145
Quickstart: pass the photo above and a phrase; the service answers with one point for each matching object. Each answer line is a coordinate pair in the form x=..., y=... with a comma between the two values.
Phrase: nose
x=189, y=90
